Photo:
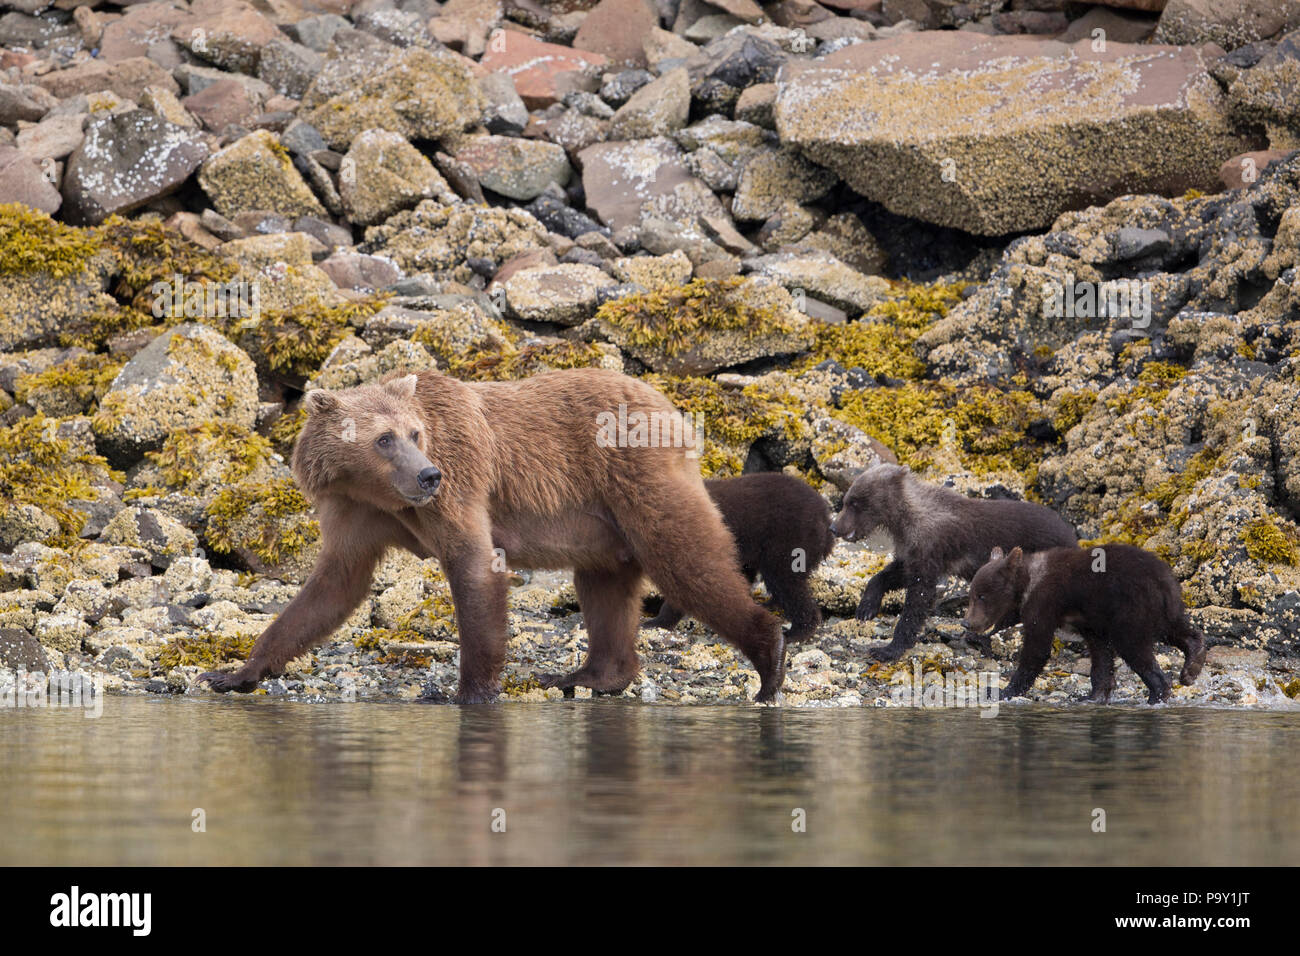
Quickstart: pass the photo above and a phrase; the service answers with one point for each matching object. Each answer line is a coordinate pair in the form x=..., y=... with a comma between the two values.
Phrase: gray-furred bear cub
x=935, y=531
x=1120, y=598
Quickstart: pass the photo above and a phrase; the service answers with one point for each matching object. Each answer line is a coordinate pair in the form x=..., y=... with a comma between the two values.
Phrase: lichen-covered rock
x=164, y=538
x=1229, y=23
x=1004, y=133
x=1267, y=93
x=706, y=325
x=125, y=161
x=383, y=173
x=843, y=452
x=256, y=173
x=824, y=277
x=51, y=277
x=186, y=376
x=513, y=167
x=656, y=109
x=24, y=522
x=440, y=239
x=566, y=294
x=654, y=271
x=772, y=178
x=416, y=93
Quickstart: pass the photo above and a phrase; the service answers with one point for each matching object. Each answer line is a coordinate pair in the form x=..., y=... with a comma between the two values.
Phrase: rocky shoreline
x=1031, y=249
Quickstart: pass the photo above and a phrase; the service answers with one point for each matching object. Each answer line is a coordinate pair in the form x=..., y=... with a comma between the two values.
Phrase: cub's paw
x=241, y=681
x=868, y=607
x=888, y=651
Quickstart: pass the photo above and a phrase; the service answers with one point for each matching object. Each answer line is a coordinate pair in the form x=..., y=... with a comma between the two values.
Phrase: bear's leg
x=479, y=594
x=1136, y=650
x=1102, y=671
x=889, y=578
x=354, y=539
x=791, y=593
x=681, y=542
x=1191, y=642
x=916, y=608
x=1034, y=652
x=609, y=602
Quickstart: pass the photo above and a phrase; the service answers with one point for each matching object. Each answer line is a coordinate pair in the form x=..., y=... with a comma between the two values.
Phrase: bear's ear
x=318, y=400
x=996, y=554
x=403, y=387
x=1015, y=557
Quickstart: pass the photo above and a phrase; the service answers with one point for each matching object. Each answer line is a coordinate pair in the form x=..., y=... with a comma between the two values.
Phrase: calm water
x=618, y=781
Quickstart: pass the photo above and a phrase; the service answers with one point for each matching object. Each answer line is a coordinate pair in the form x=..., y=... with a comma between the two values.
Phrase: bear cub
x=1120, y=598
x=935, y=531
x=782, y=528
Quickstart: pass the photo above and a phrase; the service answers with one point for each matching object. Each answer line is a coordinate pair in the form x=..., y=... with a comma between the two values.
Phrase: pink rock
x=222, y=103
x=542, y=72
x=22, y=181
x=617, y=29
x=1245, y=169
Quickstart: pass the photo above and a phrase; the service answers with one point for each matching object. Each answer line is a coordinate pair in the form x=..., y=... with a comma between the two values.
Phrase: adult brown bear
x=471, y=473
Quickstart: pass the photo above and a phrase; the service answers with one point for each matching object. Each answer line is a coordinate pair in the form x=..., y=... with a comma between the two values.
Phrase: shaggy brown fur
x=782, y=529
x=935, y=532
x=454, y=470
x=1120, y=598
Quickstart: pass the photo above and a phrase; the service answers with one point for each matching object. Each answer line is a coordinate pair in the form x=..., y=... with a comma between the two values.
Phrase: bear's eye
x=384, y=440
x=415, y=437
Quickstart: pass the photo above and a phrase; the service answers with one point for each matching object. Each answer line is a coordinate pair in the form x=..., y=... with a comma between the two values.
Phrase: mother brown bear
x=455, y=470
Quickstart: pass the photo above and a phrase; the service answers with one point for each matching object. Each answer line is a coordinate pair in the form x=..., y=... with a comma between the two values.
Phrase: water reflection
x=619, y=781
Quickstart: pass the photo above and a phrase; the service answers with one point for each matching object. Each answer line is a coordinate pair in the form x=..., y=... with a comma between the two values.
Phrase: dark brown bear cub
x=1120, y=598
x=782, y=529
x=935, y=531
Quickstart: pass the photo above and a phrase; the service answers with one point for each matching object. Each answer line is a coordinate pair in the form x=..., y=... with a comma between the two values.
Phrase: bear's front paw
x=241, y=681
x=477, y=695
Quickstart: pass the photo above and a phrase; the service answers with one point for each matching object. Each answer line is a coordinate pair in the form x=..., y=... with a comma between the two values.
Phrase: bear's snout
x=840, y=531
x=429, y=479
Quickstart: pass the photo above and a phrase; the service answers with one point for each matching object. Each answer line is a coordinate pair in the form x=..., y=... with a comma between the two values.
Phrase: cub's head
x=871, y=497
x=369, y=442
x=995, y=590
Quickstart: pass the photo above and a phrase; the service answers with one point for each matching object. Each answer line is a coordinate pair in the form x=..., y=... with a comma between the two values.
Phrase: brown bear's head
x=995, y=590
x=367, y=442
x=868, y=501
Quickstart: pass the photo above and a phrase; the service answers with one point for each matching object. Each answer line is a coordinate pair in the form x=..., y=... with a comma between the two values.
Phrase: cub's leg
x=1102, y=672
x=1191, y=642
x=793, y=595
x=1035, y=651
x=354, y=539
x=681, y=542
x=916, y=608
x=479, y=594
x=610, y=602
x=1134, y=646
x=889, y=578
x=667, y=618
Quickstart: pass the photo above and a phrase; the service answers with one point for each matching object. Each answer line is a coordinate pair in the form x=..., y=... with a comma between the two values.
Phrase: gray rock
x=125, y=161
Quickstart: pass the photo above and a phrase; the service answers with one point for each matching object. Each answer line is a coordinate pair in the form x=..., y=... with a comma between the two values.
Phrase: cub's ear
x=403, y=387
x=996, y=554
x=318, y=400
x=1016, y=556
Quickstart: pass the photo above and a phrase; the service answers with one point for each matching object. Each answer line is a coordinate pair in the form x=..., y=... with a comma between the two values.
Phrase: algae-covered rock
x=383, y=173
x=439, y=239
x=186, y=376
x=164, y=538
x=706, y=325
x=416, y=93
x=256, y=173
x=1004, y=133
x=513, y=167
x=566, y=294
